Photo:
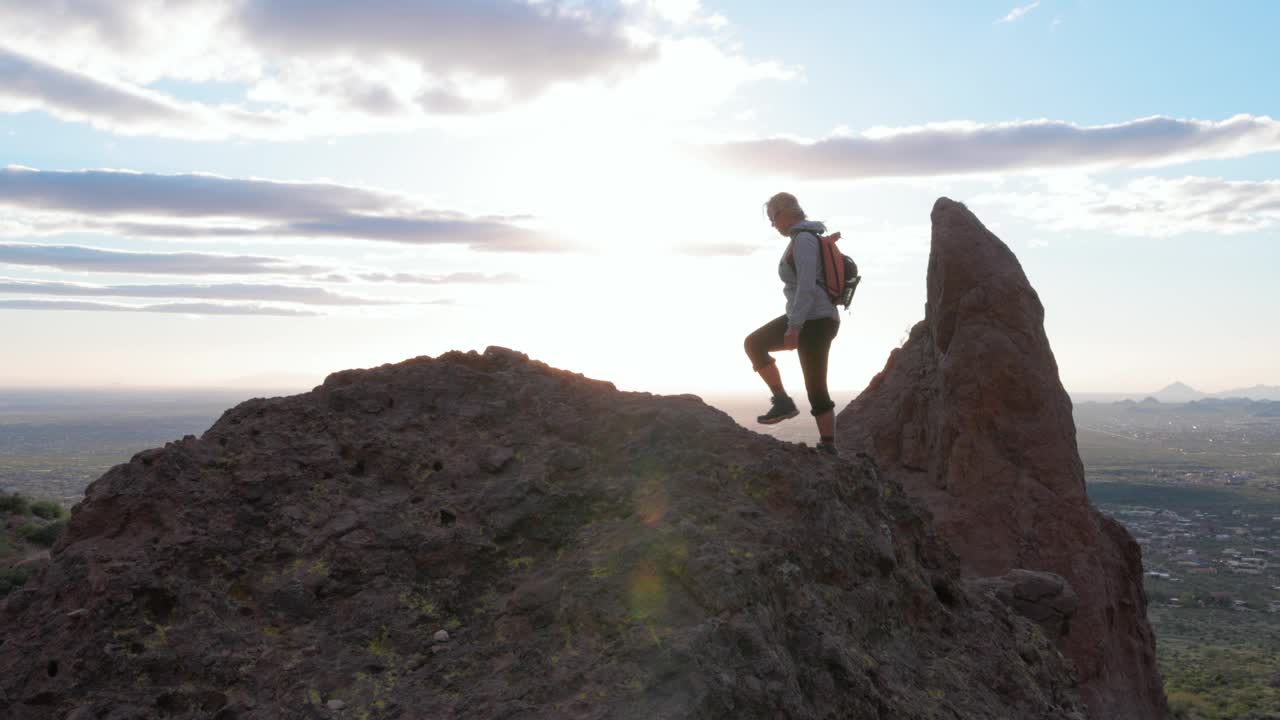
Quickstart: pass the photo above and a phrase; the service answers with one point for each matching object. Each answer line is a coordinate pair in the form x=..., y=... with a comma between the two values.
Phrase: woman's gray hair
x=783, y=202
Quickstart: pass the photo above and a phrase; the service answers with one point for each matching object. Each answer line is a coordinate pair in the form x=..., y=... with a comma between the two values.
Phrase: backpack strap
x=822, y=259
x=835, y=237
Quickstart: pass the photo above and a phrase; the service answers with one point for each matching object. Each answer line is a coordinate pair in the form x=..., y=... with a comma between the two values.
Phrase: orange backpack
x=837, y=272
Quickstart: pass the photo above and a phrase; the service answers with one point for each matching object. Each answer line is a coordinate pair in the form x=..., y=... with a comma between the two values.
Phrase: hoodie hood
x=812, y=226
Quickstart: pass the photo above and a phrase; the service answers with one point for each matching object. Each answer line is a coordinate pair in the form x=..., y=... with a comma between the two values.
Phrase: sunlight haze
x=243, y=191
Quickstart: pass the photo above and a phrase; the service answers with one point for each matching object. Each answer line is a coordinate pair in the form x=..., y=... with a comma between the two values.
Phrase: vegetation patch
x=48, y=509
x=13, y=578
x=1211, y=677
x=1183, y=498
x=14, y=504
x=45, y=534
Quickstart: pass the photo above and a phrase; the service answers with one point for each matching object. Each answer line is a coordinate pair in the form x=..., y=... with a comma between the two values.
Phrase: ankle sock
x=828, y=439
x=777, y=390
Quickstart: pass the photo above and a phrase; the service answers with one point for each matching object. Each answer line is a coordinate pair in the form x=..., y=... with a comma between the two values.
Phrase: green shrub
x=46, y=534
x=48, y=509
x=13, y=578
x=14, y=504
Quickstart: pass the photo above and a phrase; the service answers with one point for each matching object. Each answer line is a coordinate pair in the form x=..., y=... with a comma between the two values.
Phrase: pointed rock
x=970, y=415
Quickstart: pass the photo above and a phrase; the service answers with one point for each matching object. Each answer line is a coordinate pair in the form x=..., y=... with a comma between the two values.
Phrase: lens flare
x=651, y=502
x=647, y=595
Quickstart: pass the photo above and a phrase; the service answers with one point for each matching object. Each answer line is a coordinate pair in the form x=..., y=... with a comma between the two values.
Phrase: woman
x=809, y=325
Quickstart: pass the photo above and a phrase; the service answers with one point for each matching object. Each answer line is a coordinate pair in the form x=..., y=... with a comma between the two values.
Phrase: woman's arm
x=804, y=253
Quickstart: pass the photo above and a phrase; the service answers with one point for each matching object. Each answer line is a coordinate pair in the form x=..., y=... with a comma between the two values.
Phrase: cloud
x=1018, y=12
x=138, y=42
x=227, y=291
x=973, y=148
x=719, y=249
x=27, y=83
x=295, y=69
x=183, y=308
x=1148, y=206
x=450, y=279
x=77, y=258
x=188, y=206
x=316, y=67
x=472, y=50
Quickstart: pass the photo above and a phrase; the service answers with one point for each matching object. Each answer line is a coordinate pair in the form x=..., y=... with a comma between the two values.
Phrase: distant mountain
x=1178, y=392
x=1080, y=398
x=1257, y=392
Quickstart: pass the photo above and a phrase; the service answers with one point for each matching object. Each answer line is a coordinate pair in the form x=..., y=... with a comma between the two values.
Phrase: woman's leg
x=769, y=373
x=815, y=349
x=827, y=425
x=759, y=344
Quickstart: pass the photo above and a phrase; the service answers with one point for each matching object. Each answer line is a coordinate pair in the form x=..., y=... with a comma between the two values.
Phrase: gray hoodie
x=806, y=298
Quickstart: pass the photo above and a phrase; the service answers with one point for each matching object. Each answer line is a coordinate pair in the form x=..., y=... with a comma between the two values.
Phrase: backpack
x=837, y=272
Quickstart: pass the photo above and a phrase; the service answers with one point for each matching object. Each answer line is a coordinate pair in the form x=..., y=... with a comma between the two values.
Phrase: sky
x=217, y=192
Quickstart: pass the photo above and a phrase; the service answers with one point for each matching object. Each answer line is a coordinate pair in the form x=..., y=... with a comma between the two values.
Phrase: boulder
x=1044, y=598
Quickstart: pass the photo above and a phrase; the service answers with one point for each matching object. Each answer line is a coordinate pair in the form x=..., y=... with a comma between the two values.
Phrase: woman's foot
x=828, y=448
x=784, y=408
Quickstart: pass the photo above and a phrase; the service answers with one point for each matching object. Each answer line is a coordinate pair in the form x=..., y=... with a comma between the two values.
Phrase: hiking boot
x=829, y=448
x=784, y=408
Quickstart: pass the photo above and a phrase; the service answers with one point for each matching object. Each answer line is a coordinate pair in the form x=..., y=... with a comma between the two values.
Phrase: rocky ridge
x=483, y=536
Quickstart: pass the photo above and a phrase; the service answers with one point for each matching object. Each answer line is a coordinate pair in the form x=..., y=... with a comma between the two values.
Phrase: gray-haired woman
x=809, y=325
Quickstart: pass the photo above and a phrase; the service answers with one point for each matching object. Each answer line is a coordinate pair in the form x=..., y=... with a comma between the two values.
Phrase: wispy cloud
x=718, y=249
x=459, y=278
x=77, y=258
x=1017, y=13
x=974, y=148
x=1148, y=207
x=27, y=83
x=181, y=308
x=227, y=291
x=181, y=206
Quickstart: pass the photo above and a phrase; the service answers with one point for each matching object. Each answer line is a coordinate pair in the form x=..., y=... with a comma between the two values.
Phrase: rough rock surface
x=590, y=553
x=971, y=417
x=1044, y=598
